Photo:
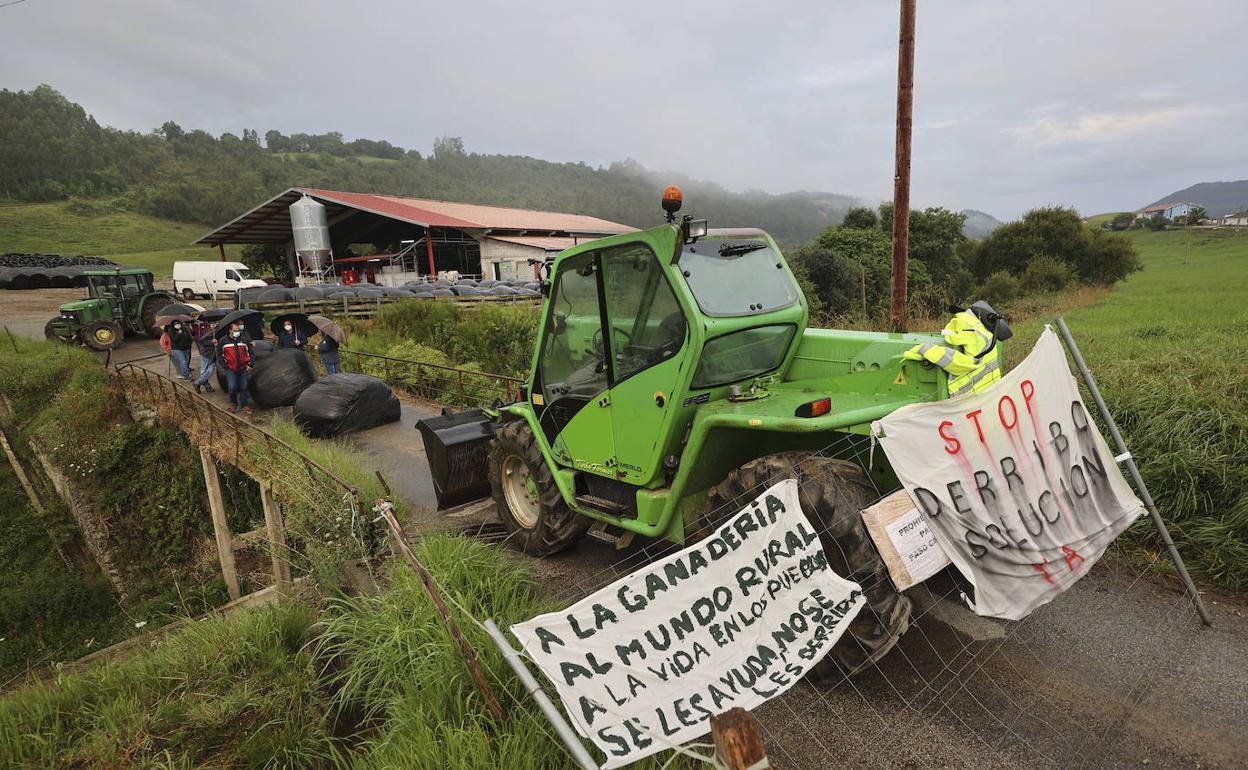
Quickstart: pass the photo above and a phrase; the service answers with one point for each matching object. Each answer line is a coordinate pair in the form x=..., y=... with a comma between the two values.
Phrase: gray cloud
x=1018, y=103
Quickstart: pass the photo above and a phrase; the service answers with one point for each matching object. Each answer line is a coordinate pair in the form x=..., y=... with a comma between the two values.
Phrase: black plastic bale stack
x=341, y=403
x=280, y=377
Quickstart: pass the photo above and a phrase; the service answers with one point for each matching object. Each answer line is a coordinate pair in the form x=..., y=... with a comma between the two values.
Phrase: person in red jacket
x=234, y=356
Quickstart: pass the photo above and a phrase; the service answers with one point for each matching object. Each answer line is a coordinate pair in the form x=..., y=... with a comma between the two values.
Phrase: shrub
x=999, y=289
x=425, y=381
x=1110, y=258
x=1046, y=273
x=1122, y=221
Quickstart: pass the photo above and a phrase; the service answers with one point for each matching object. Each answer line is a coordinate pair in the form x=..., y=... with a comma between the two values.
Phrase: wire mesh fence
x=1085, y=681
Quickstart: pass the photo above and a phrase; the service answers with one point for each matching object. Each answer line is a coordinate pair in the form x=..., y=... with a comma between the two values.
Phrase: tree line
x=846, y=269
x=54, y=149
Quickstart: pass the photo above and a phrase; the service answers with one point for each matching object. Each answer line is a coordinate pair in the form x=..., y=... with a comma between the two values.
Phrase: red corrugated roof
x=431, y=213
x=547, y=243
x=1159, y=207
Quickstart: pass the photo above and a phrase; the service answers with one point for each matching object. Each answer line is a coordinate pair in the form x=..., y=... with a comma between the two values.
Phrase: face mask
x=236, y=335
x=289, y=327
x=177, y=327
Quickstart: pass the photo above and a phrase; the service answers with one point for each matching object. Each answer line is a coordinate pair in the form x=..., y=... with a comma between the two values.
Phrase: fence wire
x=1072, y=685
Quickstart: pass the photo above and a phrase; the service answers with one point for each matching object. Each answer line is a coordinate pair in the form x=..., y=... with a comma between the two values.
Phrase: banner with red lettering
x=1017, y=482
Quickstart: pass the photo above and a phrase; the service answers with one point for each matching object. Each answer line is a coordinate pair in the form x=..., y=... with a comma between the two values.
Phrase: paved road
x=1116, y=673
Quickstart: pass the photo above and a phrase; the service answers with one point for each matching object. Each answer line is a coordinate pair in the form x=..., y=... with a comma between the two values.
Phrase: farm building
x=1167, y=210
x=1236, y=219
x=429, y=236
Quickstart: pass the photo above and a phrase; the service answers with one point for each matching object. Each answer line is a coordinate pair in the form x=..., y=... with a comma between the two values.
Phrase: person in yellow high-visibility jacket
x=970, y=355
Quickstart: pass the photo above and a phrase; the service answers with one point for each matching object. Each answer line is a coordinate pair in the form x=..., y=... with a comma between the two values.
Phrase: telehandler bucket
x=458, y=448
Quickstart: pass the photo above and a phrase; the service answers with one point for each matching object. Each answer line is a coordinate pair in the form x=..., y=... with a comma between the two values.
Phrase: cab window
x=573, y=360
x=646, y=322
x=230, y=275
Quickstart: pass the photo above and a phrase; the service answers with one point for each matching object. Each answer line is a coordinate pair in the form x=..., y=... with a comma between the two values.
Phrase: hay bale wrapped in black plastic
x=279, y=377
x=341, y=403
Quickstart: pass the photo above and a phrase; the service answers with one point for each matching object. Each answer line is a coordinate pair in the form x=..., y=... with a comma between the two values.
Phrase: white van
x=208, y=279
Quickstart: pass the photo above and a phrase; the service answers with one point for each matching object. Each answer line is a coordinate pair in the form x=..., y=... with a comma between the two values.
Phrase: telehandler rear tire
x=832, y=492
x=529, y=503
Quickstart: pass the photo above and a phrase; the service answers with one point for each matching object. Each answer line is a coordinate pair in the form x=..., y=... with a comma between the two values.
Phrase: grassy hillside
x=1099, y=220
x=1168, y=349
x=101, y=229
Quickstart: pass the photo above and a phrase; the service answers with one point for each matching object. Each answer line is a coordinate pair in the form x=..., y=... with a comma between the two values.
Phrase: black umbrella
x=214, y=315
x=252, y=321
x=298, y=320
x=178, y=308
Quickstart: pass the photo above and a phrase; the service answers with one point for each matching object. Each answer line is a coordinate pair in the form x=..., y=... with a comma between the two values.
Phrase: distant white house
x=1167, y=210
x=1238, y=219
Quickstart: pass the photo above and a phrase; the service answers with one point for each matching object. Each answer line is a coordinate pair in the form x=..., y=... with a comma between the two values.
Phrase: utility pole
x=901, y=177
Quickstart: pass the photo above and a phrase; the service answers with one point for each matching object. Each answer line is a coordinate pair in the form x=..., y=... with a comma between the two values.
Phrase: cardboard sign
x=904, y=539
x=1017, y=482
x=733, y=620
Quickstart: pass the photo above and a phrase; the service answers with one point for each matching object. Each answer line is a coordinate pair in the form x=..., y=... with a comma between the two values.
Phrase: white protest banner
x=904, y=539
x=1017, y=482
x=732, y=620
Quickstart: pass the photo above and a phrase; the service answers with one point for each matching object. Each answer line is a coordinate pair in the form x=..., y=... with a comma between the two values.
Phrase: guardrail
x=443, y=384
x=225, y=433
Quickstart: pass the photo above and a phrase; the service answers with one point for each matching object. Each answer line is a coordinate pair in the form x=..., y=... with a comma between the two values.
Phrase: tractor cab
x=119, y=301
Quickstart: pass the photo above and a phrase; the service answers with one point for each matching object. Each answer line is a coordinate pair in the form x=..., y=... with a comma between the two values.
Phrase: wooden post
x=277, y=535
x=220, y=525
x=433, y=270
x=21, y=475
x=737, y=741
x=465, y=649
x=901, y=177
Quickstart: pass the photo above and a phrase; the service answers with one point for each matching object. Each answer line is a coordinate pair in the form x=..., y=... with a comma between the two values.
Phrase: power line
x=11, y=2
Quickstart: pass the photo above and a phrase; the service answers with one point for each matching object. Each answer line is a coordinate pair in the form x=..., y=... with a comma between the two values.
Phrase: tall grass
x=376, y=683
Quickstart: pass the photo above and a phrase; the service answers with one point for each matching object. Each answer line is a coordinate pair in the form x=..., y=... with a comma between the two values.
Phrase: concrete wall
x=511, y=258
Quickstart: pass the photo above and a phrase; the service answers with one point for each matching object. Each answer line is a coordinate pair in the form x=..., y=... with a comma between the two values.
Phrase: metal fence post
x=577, y=749
x=1124, y=456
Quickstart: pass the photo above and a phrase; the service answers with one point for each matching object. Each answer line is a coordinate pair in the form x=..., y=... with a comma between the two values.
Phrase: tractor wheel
x=151, y=308
x=188, y=295
x=530, y=505
x=102, y=335
x=832, y=492
x=49, y=332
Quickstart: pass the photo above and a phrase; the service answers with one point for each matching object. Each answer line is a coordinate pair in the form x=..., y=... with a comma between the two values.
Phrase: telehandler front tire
x=832, y=492
x=529, y=503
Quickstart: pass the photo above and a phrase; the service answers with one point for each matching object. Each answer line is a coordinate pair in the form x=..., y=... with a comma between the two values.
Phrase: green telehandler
x=120, y=301
x=674, y=379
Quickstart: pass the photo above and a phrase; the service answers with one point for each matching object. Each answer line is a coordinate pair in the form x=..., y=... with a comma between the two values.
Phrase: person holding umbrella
x=235, y=359
x=180, y=347
x=331, y=337
x=292, y=330
x=201, y=331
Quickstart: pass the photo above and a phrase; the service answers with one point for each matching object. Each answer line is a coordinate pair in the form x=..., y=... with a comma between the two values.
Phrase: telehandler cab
x=674, y=379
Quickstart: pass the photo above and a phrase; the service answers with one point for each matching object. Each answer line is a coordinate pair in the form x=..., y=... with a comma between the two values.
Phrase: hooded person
x=970, y=356
x=290, y=337
x=327, y=350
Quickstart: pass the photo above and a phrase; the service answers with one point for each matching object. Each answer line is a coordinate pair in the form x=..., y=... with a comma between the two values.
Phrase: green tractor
x=674, y=379
x=120, y=301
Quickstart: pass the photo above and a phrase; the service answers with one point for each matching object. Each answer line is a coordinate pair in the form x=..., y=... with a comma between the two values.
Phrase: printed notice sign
x=1016, y=481
x=733, y=620
x=904, y=539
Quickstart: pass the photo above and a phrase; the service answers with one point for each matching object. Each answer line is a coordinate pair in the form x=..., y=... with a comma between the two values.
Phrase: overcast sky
x=1105, y=105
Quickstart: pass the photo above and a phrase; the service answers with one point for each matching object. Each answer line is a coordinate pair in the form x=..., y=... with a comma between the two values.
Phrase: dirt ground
x=1117, y=672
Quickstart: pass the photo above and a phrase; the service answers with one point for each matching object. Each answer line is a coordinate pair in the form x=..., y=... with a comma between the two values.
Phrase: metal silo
x=311, y=231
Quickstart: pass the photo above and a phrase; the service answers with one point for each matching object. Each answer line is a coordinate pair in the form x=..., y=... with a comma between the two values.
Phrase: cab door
x=569, y=393
x=648, y=334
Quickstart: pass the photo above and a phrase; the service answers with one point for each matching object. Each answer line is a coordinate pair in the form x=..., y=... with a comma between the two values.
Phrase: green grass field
x=1168, y=347
x=99, y=229
x=1097, y=220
